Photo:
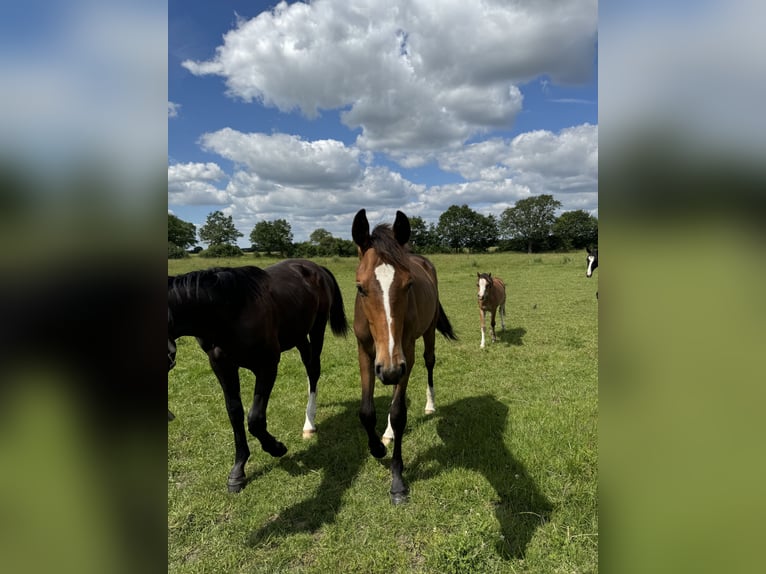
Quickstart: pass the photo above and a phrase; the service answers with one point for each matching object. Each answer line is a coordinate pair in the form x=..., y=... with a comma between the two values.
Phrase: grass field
x=503, y=477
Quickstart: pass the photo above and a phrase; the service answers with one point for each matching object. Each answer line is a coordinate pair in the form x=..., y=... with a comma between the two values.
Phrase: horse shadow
x=520, y=507
x=338, y=452
x=511, y=336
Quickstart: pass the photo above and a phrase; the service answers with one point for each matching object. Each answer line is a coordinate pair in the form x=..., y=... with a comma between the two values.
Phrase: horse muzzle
x=392, y=375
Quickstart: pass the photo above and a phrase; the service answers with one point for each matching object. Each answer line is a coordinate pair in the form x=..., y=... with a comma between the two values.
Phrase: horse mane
x=387, y=247
x=231, y=286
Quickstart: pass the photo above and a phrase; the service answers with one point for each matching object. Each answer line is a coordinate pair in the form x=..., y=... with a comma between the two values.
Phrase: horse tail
x=443, y=325
x=338, y=322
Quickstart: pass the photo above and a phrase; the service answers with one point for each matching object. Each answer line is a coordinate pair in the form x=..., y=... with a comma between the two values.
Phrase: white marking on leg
x=311, y=410
x=483, y=320
x=589, y=272
x=430, y=407
x=502, y=317
x=388, y=436
x=384, y=273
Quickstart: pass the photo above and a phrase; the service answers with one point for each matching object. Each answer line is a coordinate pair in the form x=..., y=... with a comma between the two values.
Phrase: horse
x=591, y=261
x=491, y=296
x=247, y=317
x=397, y=302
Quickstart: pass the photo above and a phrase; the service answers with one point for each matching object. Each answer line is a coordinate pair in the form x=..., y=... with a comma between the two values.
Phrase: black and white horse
x=592, y=261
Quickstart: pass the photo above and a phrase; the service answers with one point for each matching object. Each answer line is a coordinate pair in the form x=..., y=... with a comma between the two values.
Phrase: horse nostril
x=378, y=370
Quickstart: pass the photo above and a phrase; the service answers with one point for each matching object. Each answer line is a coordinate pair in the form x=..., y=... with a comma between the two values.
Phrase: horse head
x=484, y=284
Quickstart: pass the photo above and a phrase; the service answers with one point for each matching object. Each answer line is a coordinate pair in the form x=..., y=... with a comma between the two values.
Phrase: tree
x=576, y=229
x=461, y=227
x=181, y=233
x=530, y=219
x=423, y=236
x=272, y=236
x=219, y=230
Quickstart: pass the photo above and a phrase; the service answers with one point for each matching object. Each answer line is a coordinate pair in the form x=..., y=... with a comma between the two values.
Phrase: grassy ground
x=503, y=477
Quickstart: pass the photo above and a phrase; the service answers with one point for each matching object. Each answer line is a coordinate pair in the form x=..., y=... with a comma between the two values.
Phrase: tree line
x=530, y=225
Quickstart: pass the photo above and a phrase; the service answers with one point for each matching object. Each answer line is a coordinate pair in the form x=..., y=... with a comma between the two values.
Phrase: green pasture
x=503, y=477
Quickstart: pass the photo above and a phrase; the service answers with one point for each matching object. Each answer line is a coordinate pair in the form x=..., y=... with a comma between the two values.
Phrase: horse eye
x=361, y=290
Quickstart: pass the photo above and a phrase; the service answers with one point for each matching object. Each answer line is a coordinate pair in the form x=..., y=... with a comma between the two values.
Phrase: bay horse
x=247, y=317
x=397, y=302
x=491, y=297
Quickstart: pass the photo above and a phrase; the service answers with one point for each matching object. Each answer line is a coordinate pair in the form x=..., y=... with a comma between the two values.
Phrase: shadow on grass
x=338, y=451
x=511, y=336
x=472, y=431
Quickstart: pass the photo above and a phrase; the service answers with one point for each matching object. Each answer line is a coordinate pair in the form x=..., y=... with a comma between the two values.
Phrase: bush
x=175, y=252
x=222, y=250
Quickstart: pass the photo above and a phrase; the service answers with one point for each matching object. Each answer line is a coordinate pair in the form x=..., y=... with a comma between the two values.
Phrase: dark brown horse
x=247, y=317
x=491, y=296
x=397, y=302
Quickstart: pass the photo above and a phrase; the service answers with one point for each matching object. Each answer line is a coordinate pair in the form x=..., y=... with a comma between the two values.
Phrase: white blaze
x=384, y=273
x=482, y=286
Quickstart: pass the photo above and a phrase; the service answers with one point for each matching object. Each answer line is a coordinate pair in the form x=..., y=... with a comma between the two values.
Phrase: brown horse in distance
x=491, y=296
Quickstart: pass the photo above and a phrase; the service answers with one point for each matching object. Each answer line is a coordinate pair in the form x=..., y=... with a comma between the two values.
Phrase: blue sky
x=309, y=112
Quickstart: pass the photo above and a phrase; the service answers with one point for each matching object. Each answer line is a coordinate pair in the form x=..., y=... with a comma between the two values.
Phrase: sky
x=309, y=112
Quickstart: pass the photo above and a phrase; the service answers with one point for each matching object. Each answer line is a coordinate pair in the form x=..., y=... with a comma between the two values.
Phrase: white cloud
x=190, y=184
x=286, y=159
x=323, y=183
x=413, y=75
x=540, y=161
x=173, y=109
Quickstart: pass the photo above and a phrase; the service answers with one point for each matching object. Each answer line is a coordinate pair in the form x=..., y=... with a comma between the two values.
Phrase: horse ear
x=360, y=230
x=401, y=228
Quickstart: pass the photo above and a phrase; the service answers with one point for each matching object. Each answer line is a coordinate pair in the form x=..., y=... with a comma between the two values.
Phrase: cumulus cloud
x=540, y=160
x=323, y=183
x=410, y=74
x=173, y=109
x=191, y=184
x=287, y=159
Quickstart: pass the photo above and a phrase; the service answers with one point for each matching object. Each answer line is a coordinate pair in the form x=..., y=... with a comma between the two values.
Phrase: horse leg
x=265, y=376
x=502, y=316
x=367, y=415
x=398, y=414
x=311, y=356
x=228, y=377
x=492, y=325
x=482, y=314
x=429, y=356
x=388, y=436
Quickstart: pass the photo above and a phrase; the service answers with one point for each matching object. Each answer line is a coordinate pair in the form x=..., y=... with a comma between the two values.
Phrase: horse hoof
x=236, y=485
x=398, y=498
x=430, y=411
x=276, y=450
x=309, y=434
x=378, y=451
x=386, y=440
